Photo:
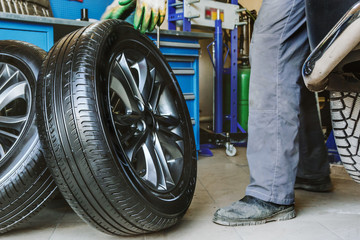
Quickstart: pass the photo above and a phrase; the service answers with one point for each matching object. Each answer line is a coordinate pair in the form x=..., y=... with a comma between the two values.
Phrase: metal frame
x=218, y=126
x=218, y=64
x=173, y=16
x=233, y=77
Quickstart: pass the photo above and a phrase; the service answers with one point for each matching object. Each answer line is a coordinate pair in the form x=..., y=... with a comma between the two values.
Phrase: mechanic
x=285, y=141
x=148, y=14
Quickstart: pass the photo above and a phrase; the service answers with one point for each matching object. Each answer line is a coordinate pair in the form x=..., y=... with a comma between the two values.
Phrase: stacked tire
x=114, y=129
x=25, y=180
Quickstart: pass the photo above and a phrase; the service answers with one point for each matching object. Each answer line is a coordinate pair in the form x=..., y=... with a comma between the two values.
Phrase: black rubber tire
x=25, y=181
x=89, y=167
x=345, y=115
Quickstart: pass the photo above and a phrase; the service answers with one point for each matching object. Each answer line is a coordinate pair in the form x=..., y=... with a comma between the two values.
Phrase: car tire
x=116, y=130
x=345, y=115
x=25, y=181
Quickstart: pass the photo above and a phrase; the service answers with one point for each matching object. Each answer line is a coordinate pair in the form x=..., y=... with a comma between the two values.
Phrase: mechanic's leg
x=313, y=168
x=279, y=48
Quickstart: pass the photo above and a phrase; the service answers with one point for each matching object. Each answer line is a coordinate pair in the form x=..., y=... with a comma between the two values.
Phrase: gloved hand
x=148, y=14
x=119, y=9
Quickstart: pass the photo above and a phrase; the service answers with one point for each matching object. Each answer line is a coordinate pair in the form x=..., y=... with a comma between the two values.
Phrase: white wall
x=206, y=81
x=251, y=4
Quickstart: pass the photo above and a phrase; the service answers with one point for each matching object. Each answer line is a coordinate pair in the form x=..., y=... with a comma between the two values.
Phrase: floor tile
x=202, y=206
x=197, y=229
x=347, y=226
x=41, y=226
x=82, y=231
x=294, y=229
x=224, y=180
x=32, y=230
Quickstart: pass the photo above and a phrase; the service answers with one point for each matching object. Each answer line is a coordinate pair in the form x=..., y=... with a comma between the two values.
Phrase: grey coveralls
x=284, y=133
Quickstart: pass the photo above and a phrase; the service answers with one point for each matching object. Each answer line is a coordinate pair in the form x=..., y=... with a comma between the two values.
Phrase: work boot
x=252, y=211
x=314, y=185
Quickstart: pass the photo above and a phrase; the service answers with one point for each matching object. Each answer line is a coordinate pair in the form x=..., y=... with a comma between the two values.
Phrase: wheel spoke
x=14, y=75
x=123, y=91
x=158, y=89
x=142, y=70
x=173, y=148
x=173, y=143
x=167, y=121
x=151, y=83
x=152, y=162
x=151, y=173
x=12, y=93
x=134, y=144
x=13, y=122
x=146, y=78
x=127, y=119
x=162, y=163
x=2, y=152
x=8, y=135
x=130, y=78
x=4, y=70
x=173, y=134
x=154, y=171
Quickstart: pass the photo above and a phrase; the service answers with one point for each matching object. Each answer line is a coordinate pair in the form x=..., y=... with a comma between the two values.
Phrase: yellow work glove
x=149, y=13
x=119, y=9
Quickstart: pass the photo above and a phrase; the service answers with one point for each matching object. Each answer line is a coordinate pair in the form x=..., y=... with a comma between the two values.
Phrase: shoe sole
x=283, y=215
x=319, y=188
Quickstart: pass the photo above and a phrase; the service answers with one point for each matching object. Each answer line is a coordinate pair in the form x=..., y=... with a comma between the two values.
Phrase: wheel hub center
x=149, y=119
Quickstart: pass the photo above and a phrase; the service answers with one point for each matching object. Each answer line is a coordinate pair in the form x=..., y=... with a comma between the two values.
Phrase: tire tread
x=345, y=111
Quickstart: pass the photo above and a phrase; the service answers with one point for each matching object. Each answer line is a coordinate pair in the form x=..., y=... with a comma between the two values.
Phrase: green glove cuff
x=108, y=16
x=125, y=2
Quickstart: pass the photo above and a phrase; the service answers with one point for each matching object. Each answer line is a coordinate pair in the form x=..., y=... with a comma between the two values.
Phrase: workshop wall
x=251, y=4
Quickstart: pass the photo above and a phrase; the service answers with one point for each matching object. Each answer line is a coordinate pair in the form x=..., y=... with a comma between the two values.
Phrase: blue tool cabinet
x=39, y=35
x=182, y=54
x=180, y=49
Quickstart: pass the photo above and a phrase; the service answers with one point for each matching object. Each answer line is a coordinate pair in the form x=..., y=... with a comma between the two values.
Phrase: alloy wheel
x=146, y=118
x=15, y=104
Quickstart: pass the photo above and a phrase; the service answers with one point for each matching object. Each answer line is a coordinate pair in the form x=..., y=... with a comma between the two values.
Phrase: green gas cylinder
x=242, y=97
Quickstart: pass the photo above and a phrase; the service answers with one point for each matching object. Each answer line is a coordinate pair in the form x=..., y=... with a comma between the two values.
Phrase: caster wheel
x=230, y=150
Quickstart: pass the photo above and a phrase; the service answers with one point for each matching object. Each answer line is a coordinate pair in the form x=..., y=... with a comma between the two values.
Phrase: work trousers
x=284, y=133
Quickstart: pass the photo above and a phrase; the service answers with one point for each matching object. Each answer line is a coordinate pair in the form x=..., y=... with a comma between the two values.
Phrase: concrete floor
x=222, y=180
